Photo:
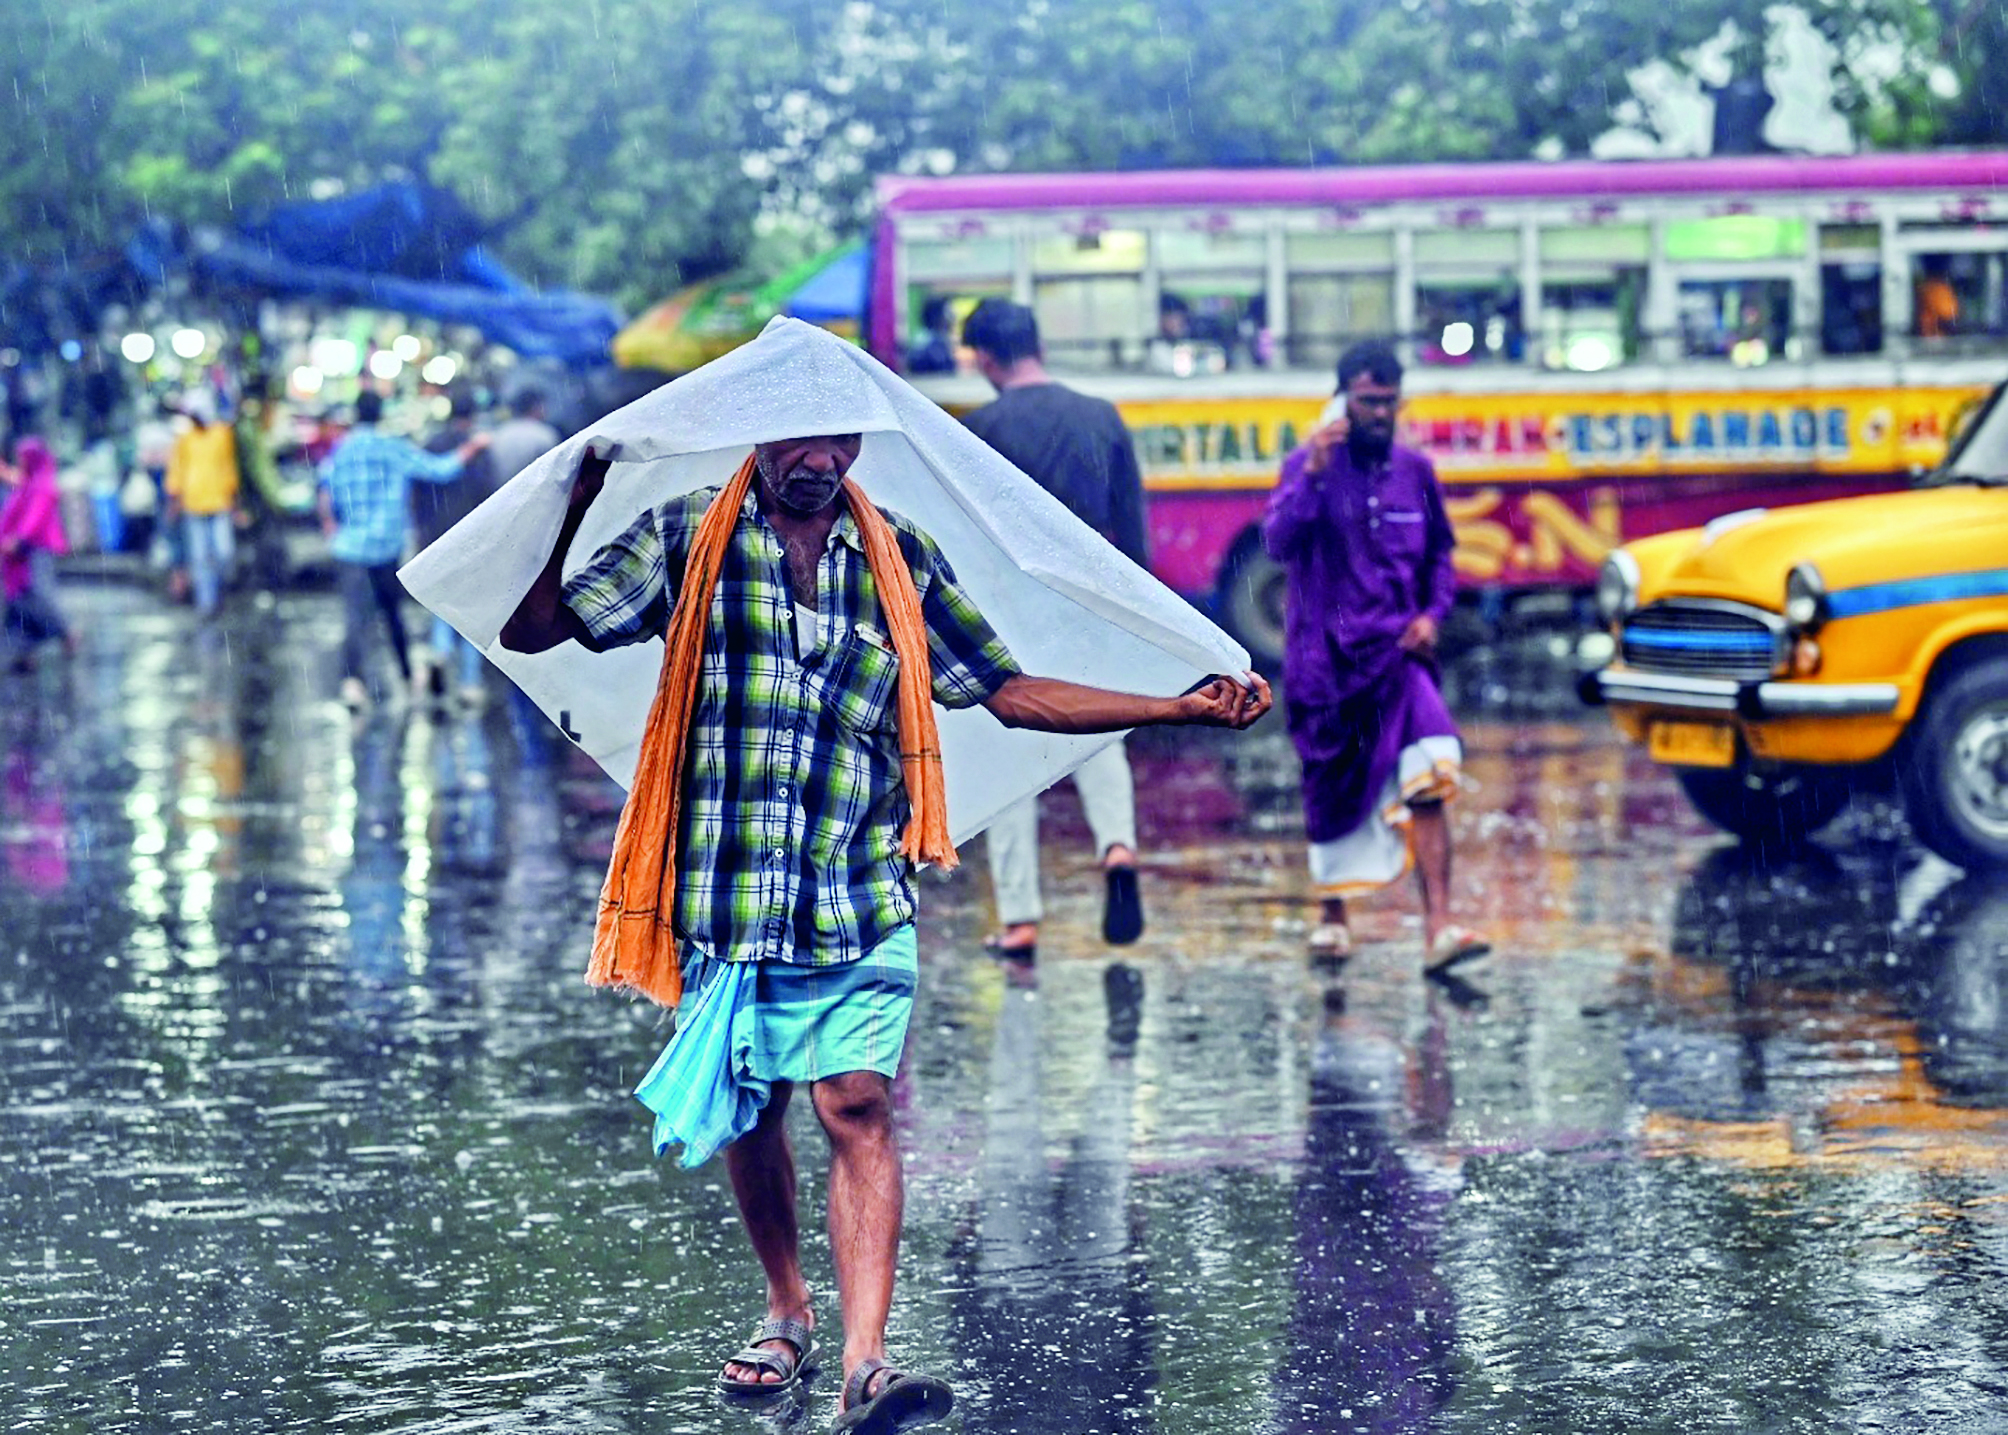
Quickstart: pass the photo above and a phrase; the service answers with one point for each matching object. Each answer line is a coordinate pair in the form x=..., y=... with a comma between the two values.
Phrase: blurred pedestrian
x=436, y=507
x=1077, y=449
x=526, y=436
x=145, y=501
x=31, y=540
x=366, y=510
x=1358, y=523
x=202, y=482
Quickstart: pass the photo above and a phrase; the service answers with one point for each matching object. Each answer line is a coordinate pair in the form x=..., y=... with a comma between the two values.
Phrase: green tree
x=623, y=146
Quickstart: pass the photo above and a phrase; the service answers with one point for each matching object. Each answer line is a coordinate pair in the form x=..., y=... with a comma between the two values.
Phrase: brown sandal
x=795, y=1333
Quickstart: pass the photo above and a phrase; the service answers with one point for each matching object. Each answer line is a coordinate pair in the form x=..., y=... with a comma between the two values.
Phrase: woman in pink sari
x=31, y=539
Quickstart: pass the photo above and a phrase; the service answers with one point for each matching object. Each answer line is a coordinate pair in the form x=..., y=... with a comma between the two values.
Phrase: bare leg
x=1431, y=834
x=867, y=1198
x=1119, y=856
x=762, y=1168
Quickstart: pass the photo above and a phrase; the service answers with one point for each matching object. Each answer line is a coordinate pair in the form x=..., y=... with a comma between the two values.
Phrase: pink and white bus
x=1597, y=350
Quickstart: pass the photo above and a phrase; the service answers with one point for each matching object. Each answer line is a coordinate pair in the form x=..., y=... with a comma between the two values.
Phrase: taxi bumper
x=1752, y=701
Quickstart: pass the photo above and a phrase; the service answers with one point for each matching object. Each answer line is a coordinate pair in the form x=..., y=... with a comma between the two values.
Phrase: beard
x=1369, y=445
x=801, y=492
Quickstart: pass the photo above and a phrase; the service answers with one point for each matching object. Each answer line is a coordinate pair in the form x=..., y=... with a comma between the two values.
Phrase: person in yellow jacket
x=202, y=480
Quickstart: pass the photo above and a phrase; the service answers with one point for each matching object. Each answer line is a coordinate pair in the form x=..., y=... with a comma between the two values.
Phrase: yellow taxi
x=1779, y=661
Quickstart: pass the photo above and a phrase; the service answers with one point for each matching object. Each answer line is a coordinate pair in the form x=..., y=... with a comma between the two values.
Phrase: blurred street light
x=137, y=348
x=189, y=343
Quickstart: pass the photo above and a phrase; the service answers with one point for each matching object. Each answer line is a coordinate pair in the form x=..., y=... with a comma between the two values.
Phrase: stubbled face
x=1371, y=406
x=801, y=476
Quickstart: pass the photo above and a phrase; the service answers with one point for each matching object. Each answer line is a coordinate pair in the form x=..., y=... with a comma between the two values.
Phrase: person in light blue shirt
x=365, y=509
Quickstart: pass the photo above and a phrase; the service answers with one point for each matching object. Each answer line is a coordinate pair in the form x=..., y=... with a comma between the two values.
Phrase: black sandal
x=904, y=1402
x=1122, y=910
x=796, y=1333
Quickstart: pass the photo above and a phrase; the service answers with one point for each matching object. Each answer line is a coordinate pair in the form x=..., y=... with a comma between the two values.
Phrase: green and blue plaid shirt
x=794, y=800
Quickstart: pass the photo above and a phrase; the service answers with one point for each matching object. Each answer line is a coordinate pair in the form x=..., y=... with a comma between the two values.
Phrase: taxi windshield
x=1980, y=453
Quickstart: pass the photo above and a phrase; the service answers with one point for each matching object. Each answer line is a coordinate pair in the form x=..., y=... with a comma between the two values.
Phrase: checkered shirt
x=794, y=801
x=368, y=477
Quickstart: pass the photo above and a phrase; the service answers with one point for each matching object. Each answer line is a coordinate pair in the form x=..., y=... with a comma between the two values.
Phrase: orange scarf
x=634, y=945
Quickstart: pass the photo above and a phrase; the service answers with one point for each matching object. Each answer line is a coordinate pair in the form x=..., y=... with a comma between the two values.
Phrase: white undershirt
x=805, y=630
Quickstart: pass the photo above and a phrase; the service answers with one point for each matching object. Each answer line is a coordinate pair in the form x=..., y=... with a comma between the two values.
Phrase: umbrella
x=706, y=321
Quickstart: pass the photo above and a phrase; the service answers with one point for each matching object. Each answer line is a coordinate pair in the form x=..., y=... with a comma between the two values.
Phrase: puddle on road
x=310, y=1123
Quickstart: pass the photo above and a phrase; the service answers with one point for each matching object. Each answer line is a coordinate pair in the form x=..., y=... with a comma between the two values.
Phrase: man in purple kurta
x=1358, y=523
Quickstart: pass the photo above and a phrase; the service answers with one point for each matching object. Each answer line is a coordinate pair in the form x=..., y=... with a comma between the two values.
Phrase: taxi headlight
x=1805, y=598
x=1617, y=586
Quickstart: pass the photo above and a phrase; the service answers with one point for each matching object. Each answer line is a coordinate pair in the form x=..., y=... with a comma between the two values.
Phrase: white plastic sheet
x=1068, y=604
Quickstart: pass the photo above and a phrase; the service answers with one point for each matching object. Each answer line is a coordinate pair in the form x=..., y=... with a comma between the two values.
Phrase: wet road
x=310, y=1123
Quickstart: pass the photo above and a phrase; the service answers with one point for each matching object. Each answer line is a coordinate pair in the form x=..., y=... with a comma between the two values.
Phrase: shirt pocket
x=1403, y=532
x=863, y=685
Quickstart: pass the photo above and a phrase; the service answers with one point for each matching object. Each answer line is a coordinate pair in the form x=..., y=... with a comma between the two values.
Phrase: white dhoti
x=1377, y=852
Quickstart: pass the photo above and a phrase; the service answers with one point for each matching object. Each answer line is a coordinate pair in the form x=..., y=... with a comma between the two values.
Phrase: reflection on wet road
x=311, y=1124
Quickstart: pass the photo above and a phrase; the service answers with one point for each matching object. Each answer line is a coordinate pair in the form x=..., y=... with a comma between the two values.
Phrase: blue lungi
x=742, y=1026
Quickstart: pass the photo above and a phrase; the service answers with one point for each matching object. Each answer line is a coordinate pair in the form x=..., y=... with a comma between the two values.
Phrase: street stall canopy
x=1068, y=604
x=706, y=321
x=412, y=249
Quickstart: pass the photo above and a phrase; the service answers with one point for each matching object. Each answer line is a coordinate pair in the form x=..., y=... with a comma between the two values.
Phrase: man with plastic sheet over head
x=789, y=768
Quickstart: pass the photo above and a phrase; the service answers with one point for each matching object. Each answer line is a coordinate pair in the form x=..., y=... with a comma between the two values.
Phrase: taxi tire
x=1780, y=809
x=1924, y=769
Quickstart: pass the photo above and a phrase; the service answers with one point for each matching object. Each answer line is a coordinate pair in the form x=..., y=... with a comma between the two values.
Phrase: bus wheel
x=1251, y=604
x=1955, y=774
x=1769, y=809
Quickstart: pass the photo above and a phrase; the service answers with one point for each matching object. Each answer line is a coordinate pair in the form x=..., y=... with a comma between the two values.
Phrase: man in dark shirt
x=1077, y=449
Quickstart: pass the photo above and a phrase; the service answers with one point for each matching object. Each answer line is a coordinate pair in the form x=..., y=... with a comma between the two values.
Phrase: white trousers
x=1108, y=796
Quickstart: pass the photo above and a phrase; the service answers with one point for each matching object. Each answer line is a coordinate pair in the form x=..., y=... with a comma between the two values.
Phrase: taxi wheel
x=1955, y=772
x=1771, y=809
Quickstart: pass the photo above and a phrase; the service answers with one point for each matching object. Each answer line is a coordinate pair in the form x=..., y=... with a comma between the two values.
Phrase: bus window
x=1467, y=296
x=1590, y=320
x=1211, y=314
x=1340, y=290
x=1087, y=291
x=1592, y=289
x=1959, y=295
x=1746, y=321
x=945, y=280
x=1851, y=308
x=1328, y=312
x=1851, y=320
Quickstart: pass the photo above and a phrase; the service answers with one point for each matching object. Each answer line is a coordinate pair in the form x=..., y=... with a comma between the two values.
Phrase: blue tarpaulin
x=412, y=249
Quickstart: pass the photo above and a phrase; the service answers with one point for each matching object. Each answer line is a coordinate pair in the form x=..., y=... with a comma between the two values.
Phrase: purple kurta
x=1365, y=551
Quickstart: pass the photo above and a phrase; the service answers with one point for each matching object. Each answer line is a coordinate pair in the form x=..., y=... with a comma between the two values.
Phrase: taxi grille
x=1716, y=640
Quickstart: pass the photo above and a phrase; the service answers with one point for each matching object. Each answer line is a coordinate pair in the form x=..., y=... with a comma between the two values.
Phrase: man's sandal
x=795, y=1333
x=1331, y=943
x=904, y=1401
x=1453, y=945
